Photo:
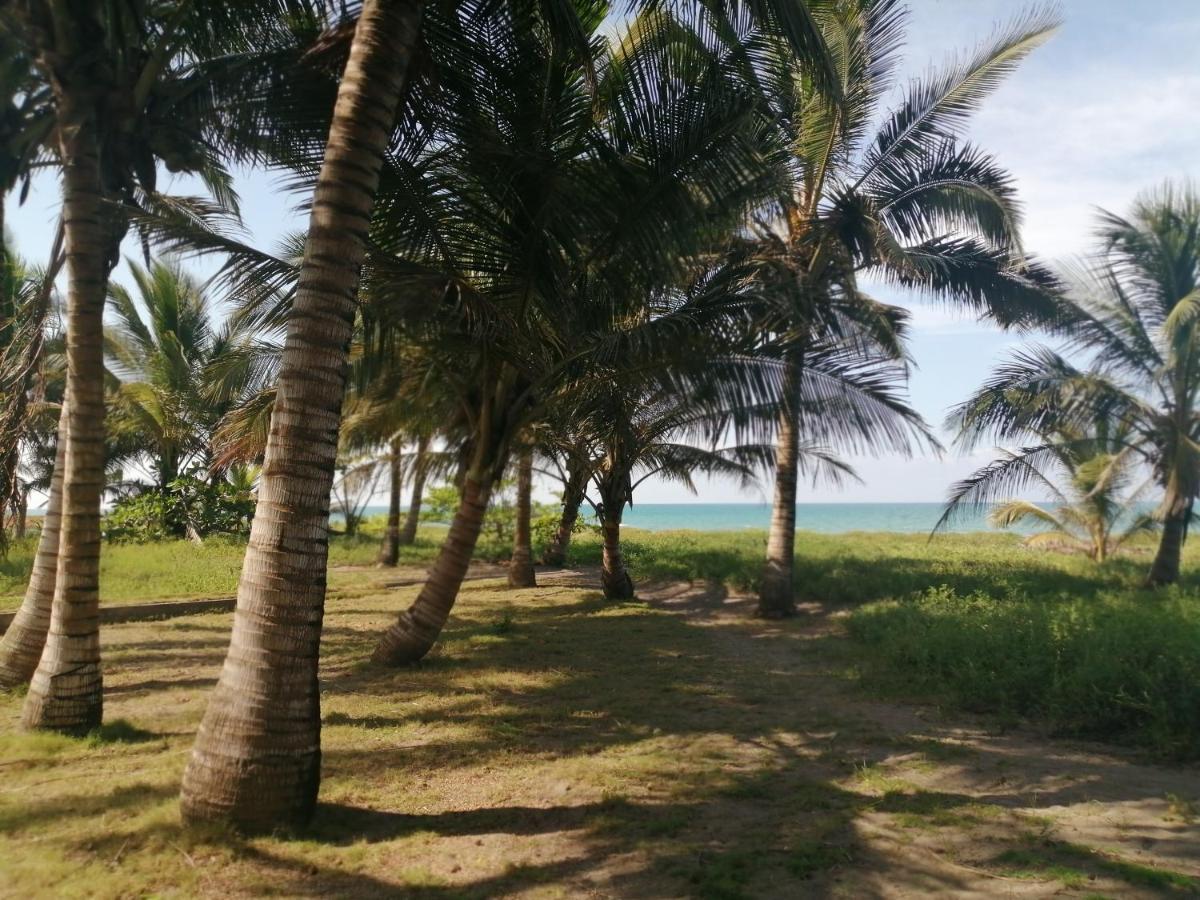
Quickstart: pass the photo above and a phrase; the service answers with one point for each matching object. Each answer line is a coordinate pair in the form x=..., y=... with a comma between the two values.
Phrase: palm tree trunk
x=256, y=763
x=409, y=533
x=21, y=646
x=1165, y=569
x=21, y=514
x=66, y=691
x=389, y=552
x=520, y=567
x=418, y=627
x=556, y=553
x=776, y=595
x=613, y=575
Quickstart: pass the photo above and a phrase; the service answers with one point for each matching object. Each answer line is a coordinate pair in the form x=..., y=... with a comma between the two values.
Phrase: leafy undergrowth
x=1123, y=666
x=555, y=746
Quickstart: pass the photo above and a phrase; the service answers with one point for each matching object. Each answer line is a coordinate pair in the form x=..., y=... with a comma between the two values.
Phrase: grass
x=1122, y=666
x=552, y=746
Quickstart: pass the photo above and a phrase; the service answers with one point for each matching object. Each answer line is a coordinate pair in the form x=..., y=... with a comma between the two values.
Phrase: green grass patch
x=1120, y=666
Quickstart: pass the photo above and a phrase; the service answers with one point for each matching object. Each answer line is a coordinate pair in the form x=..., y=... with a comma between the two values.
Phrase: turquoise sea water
x=826, y=517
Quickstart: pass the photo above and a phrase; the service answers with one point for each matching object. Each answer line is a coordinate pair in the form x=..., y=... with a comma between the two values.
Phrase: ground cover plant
x=557, y=745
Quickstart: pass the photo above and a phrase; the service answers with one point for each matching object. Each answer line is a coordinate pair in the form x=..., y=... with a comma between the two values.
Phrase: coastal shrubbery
x=1119, y=666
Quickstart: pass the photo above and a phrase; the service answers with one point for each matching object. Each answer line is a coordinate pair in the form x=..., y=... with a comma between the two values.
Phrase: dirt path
x=963, y=810
x=558, y=746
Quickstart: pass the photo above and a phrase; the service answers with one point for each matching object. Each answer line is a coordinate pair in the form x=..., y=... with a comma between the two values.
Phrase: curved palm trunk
x=613, y=574
x=418, y=627
x=408, y=534
x=556, y=553
x=389, y=551
x=21, y=647
x=66, y=691
x=1165, y=569
x=520, y=567
x=776, y=597
x=257, y=757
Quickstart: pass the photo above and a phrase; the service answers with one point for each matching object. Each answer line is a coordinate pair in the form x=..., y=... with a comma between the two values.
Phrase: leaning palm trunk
x=520, y=567
x=408, y=534
x=21, y=647
x=389, y=551
x=613, y=574
x=418, y=627
x=257, y=758
x=1165, y=569
x=556, y=553
x=66, y=691
x=776, y=598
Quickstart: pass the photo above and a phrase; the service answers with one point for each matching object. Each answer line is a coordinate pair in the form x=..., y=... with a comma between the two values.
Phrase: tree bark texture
x=556, y=553
x=415, y=631
x=408, y=534
x=776, y=598
x=389, y=550
x=520, y=567
x=257, y=757
x=66, y=690
x=21, y=646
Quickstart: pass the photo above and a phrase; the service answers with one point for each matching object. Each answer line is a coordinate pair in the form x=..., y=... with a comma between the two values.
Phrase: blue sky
x=1104, y=110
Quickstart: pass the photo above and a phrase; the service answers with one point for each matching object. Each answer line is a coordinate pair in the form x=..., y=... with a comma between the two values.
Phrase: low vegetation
x=556, y=745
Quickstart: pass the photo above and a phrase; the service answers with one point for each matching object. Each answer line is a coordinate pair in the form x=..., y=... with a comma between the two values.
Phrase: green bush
x=188, y=507
x=1121, y=666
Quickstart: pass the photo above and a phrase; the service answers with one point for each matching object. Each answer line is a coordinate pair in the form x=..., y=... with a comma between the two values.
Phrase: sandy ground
x=555, y=746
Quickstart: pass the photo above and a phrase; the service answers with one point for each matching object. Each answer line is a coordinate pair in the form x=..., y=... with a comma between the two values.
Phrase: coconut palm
x=1131, y=314
x=535, y=218
x=178, y=372
x=1093, y=478
x=908, y=201
x=86, y=54
x=256, y=761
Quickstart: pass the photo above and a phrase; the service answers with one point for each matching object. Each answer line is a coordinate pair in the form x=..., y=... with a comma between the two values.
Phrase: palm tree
x=178, y=373
x=541, y=223
x=1094, y=494
x=256, y=761
x=910, y=203
x=86, y=54
x=1132, y=314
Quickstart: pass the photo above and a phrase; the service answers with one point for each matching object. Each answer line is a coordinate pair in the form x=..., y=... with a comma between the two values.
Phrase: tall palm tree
x=541, y=221
x=87, y=54
x=909, y=201
x=1131, y=314
x=256, y=761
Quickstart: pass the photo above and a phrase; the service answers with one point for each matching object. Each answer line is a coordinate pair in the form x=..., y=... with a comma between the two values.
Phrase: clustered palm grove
x=611, y=242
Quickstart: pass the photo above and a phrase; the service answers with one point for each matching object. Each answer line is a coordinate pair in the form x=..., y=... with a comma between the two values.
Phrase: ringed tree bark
x=573, y=489
x=389, y=550
x=256, y=760
x=1165, y=569
x=66, y=690
x=613, y=575
x=520, y=567
x=408, y=534
x=21, y=646
x=776, y=597
x=416, y=629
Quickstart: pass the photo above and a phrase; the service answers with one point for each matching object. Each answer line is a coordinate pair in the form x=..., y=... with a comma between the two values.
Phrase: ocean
x=913, y=518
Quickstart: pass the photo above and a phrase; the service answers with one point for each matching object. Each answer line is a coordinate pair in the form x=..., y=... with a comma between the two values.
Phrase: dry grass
x=554, y=746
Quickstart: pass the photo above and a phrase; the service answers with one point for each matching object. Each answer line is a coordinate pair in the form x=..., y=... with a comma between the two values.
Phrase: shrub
x=1123, y=666
x=189, y=507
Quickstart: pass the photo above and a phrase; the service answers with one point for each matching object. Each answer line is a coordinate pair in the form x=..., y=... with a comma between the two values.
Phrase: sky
x=1106, y=109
